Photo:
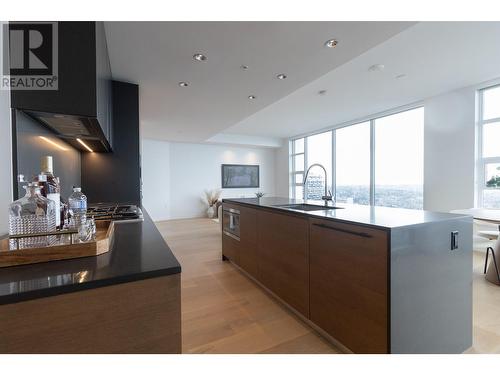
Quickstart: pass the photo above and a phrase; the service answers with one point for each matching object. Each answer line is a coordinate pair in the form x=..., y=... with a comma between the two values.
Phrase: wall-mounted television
x=239, y=176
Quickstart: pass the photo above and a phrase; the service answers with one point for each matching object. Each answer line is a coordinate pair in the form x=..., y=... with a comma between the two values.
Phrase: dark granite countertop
x=139, y=252
x=373, y=216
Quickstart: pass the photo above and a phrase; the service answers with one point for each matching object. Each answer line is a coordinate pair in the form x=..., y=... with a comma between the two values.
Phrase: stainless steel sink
x=307, y=207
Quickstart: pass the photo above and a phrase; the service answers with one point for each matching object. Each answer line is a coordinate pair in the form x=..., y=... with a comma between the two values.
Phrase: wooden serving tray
x=101, y=245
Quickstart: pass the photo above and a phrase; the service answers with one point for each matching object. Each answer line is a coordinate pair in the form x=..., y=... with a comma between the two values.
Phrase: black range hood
x=79, y=112
x=71, y=129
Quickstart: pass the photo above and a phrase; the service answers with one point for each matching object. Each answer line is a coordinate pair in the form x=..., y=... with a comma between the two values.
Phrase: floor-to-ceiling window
x=352, y=163
x=399, y=159
x=319, y=151
x=489, y=148
x=378, y=161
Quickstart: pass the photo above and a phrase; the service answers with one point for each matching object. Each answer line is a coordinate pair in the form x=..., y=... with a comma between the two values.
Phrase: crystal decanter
x=32, y=214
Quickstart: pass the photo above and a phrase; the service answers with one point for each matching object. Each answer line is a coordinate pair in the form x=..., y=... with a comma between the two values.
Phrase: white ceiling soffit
x=159, y=55
x=246, y=140
x=430, y=58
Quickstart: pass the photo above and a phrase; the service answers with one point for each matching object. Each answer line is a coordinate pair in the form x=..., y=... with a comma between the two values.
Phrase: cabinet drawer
x=284, y=257
x=248, y=257
x=348, y=284
x=230, y=248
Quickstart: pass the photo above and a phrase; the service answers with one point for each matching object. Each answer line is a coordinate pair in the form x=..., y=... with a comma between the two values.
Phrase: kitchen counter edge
x=172, y=268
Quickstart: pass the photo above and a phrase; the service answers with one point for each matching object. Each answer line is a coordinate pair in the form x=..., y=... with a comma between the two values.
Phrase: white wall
x=449, y=150
x=175, y=175
x=5, y=154
x=155, y=175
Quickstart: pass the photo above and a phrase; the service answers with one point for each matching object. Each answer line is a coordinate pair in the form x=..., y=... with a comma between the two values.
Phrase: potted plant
x=259, y=194
x=211, y=198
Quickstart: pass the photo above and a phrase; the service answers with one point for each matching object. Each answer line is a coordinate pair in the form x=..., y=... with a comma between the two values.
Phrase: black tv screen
x=240, y=176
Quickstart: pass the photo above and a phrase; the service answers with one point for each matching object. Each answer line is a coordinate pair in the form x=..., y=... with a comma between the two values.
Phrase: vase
x=211, y=212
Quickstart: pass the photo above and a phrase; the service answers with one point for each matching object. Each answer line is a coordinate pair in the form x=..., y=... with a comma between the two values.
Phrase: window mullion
x=372, y=162
x=491, y=159
x=480, y=166
x=304, y=190
x=334, y=169
x=489, y=121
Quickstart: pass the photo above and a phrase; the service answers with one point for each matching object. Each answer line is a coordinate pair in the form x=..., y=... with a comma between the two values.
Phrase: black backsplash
x=29, y=148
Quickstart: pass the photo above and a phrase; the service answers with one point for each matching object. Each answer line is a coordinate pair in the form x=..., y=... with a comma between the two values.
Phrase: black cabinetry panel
x=116, y=176
x=84, y=81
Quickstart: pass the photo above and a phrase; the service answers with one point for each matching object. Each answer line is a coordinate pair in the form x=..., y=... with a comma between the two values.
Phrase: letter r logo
x=31, y=48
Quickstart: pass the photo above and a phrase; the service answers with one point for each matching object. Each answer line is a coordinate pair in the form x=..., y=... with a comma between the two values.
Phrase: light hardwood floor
x=486, y=311
x=224, y=312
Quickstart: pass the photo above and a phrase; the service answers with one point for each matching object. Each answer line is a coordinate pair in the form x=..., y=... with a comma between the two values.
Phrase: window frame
x=294, y=171
x=482, y=162
x=371, y=119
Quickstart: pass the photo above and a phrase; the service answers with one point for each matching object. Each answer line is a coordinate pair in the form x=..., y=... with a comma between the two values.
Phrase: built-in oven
x=231, y=222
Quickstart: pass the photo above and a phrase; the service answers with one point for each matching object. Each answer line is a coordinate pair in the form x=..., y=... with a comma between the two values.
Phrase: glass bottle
x=32, y=214
x=50, y=186
x=64, y=213
x=78, y=206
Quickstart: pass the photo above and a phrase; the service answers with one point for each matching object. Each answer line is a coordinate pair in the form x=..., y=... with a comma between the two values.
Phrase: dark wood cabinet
x=284, y=257
x=334, y=274
x=231, y=248
x=248, y=256
x=241, y=247
x=349, y=284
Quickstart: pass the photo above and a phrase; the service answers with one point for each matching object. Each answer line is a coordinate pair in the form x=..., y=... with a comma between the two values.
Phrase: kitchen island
x=123, y=301
x=370, y=279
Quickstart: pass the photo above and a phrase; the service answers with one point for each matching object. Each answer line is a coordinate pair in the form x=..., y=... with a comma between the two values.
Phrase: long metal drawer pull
x=360, y=234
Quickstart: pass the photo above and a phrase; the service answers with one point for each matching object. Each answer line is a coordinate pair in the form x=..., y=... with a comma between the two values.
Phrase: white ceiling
x=435, y=57
x=158, y=55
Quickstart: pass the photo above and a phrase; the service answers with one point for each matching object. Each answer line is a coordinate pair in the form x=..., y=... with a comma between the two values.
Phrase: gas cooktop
x=114, y=211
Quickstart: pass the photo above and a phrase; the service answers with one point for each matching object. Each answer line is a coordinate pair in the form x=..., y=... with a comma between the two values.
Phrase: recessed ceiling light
x=199, y=57
x=252, y=97
x=332, y=43
x=183, y=84
x=322, y=92
x=281, y=76
x=244, y=67
x=376, y=68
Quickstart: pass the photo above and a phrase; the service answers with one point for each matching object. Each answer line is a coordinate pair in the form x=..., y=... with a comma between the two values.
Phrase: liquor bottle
x=50, y=187
x=32, y=214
